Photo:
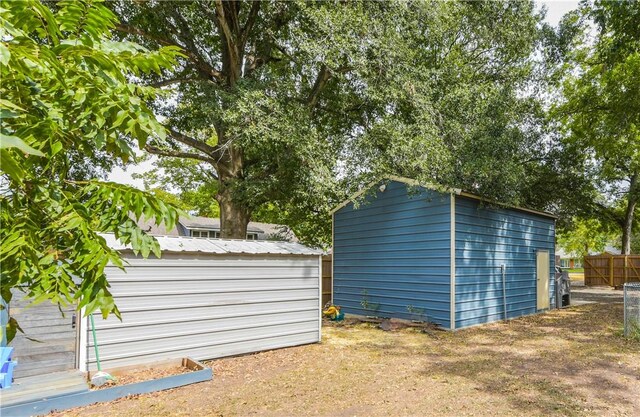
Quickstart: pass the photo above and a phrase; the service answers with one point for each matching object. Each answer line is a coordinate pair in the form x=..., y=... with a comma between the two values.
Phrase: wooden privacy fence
x=327, y=272
x=611, y=270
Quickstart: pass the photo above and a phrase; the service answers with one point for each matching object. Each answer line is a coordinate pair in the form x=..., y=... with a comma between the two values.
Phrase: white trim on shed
x=430, y=186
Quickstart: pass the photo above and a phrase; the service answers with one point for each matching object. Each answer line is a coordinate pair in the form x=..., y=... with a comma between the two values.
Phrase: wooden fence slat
x=611, y=270
x=327, y=272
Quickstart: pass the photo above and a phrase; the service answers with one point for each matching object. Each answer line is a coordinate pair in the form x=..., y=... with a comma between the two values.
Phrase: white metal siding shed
x=207, y=298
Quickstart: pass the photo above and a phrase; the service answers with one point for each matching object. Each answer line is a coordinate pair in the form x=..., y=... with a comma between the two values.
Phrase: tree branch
x=251, y=20
x=222, y=23
x=139, y=32
x=186, y=36
x=204, y=68
x=211, y=151
x=321, y=81
x=178, y=154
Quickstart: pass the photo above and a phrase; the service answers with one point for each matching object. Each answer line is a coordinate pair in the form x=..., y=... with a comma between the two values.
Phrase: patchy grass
x=577, y=278
x=571, y=362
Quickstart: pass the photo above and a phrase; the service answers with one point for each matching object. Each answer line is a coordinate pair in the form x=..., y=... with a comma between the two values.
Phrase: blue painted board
x=391, y=255
x=486, y=238
x=66, y=402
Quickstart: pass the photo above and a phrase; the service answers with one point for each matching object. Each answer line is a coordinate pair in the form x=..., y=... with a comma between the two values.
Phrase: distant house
x=568, y=259
x=573, y=260
x=207, y=227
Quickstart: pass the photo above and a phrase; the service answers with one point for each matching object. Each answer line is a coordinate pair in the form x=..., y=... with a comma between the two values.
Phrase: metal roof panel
x=220, y=246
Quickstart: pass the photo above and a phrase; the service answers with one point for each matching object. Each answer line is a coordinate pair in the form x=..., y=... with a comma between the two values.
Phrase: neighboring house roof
x=210, y=223
x=265, y=231
x=571, y=255
x=272, y=231
x=219, y=246
x=566, y=255
x=609, y=249
x=438, y=188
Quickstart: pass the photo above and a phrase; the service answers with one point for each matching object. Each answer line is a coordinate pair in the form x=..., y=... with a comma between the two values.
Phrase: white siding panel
x=208, y=306
x=151, y=301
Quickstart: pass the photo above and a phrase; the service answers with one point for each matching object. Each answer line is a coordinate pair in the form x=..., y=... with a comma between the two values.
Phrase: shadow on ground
x=569, y=362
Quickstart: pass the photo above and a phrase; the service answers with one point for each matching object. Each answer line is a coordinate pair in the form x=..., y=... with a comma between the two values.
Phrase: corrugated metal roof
x=220, y=246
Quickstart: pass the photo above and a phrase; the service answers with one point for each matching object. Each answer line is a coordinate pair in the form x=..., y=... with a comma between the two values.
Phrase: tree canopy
x=275, y=111
x=599, y=109
x=68, y=104
x=586, y=236
x=290, y=106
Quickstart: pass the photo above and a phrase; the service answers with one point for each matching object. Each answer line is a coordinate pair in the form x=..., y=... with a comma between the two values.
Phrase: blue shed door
x=542, y=275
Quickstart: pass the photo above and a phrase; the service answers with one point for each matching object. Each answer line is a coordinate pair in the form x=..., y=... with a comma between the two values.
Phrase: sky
x=555, y=10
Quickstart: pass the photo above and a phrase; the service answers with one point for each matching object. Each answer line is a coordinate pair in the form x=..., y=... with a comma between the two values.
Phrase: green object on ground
x=100, y=377
x=95, y=342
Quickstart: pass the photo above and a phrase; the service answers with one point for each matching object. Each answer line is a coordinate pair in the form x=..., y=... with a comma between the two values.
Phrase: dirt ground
x=571, y=362
x=581, y=294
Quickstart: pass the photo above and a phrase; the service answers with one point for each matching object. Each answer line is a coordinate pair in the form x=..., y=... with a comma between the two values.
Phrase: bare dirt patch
x=571, y=362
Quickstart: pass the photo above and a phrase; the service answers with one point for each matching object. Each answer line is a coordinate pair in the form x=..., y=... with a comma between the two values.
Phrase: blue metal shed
x=420, y=252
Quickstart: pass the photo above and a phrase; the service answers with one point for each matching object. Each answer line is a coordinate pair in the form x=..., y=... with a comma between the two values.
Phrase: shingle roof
x=265, y=231
x=209, y=223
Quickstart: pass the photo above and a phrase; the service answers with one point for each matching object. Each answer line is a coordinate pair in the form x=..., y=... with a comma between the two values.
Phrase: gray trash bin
x=563, y=288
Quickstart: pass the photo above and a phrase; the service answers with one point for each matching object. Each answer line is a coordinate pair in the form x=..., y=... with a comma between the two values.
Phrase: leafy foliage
x=67, y=101
x=187, y=183
x=295, y=105
x=586, y=236
x=599, y=111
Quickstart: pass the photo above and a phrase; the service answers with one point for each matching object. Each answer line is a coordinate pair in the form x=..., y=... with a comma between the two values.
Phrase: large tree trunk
x=632, y=202
x=234, y=218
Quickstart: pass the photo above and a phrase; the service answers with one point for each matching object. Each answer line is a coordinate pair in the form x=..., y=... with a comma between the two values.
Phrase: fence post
x=626, y=271
x=624, y=317
x=611, y=271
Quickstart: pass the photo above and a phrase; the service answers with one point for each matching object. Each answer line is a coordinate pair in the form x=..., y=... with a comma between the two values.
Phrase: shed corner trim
x=452, y=264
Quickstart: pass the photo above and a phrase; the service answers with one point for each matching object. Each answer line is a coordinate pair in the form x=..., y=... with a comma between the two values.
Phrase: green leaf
x=9, y=105
x=6, y=294
x=12, y=329
x=5, y=54
x=15, y=142
x=9, y=165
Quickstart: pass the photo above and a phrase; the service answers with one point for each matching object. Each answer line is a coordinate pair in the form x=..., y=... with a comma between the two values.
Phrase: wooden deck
x=38, y=396
x=54, y=347
x=38, y=387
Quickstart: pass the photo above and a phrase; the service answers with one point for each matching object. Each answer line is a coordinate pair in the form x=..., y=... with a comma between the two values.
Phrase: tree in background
x=67, y=105
x=599, y=111
x=246, y=95
x=586, y=236
x=274, y=101
x=185, y=183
